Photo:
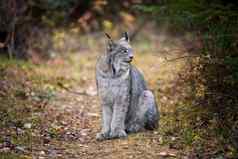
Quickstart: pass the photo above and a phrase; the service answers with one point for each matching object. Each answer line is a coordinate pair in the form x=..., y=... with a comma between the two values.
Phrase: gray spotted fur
x=127, y=105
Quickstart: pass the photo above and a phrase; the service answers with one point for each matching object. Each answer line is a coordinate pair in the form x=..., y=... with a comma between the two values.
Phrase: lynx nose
x=130, y=54
x=131, y=57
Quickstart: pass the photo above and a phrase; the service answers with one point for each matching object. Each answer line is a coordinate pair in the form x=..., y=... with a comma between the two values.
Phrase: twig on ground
x=71, y=91
x=178, y=58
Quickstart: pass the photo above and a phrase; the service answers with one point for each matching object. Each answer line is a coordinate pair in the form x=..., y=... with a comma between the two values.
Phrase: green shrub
x=212, y=114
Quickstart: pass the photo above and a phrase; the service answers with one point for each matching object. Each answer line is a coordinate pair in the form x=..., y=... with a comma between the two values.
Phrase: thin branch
x=138, y=29
x=178, y=58
x=71, y=91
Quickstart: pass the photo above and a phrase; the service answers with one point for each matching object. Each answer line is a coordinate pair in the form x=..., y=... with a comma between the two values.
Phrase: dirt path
x=74, y=121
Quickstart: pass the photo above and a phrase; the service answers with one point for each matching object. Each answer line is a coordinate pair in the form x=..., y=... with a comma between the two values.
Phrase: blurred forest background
x=187, y=49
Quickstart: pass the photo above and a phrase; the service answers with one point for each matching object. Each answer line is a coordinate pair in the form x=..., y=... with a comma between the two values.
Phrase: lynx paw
x=102, y=136
x=118, y=134
x=134, y=128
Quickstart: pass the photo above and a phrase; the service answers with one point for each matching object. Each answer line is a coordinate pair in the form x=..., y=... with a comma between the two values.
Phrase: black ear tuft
x=108, y=36
x=126, y=36
x=110, y=42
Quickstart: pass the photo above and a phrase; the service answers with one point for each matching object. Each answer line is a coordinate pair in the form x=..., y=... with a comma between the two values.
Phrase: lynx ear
x=126, y=37
x=110, y=42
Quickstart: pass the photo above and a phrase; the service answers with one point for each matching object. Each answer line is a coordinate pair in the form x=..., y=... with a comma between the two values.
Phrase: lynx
x=127, y=105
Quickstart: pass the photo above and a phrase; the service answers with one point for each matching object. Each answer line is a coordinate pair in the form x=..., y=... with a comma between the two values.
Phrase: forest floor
x=78, y=117
x=67, y=117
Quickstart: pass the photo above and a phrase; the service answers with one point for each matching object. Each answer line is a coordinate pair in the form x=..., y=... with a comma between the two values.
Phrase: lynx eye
x=126, y=51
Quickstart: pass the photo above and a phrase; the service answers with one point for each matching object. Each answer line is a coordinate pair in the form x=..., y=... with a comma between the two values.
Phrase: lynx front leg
x=106, y=123
x=118, y=120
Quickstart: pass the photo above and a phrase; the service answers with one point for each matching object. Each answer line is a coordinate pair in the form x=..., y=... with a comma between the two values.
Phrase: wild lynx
x=127, y=105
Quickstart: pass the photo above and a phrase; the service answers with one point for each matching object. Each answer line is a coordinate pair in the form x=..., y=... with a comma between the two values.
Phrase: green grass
x=13, y=156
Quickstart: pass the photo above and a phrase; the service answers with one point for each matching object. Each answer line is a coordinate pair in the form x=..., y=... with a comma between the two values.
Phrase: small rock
x=84, y=132
x=91, y=91
x=68, y=133
x=80, y=145
x=59, y=155
x=5, y=149
x=42, y=152
x=161, y=140
x=20, y=149
x=19, y=131
x=163, y=153
x=166, y=154
x=173, y=138
x=93, y=114
x=156, y=132
x=27, y=125
x=164, y=98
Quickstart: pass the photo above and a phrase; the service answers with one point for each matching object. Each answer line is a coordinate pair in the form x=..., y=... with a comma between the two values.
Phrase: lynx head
x=119, y=54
